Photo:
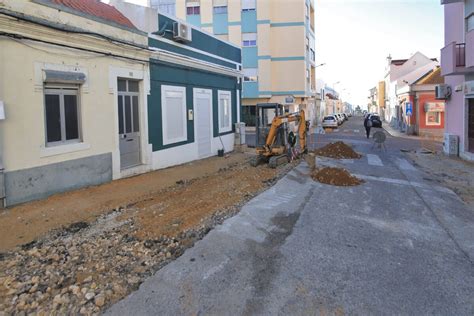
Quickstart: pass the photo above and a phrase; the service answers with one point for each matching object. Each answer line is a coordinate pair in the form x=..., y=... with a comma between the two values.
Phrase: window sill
x=63, y=149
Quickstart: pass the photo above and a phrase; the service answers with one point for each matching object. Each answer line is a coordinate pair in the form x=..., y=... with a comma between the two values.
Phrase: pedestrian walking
x=367, y=125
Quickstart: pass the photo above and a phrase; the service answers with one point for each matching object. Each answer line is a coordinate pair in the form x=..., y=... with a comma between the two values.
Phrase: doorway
x=129, y=123
x=203, y=121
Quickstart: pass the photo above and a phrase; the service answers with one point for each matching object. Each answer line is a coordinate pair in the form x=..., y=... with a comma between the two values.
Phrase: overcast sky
x=354, y=37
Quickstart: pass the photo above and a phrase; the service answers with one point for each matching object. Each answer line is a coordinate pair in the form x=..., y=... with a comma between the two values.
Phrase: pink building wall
x=454, y=32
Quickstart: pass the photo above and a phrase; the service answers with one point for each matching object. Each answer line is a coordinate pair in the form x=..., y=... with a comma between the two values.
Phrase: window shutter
x=248, y=4
x=220, y=3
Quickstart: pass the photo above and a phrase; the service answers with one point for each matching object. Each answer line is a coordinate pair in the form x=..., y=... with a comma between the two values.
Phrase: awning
x=55, y=76
x=434, y=107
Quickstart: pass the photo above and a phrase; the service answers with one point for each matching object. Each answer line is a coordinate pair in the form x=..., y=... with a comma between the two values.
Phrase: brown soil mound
x=335, y=176
x=338, y=150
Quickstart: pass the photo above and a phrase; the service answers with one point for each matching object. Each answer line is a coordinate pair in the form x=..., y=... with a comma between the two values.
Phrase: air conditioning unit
x=182, y=32
x=442, y=92
x=451, y=144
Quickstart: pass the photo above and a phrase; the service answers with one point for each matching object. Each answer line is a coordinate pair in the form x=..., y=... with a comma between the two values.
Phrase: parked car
x=330, y=121
x=376, y=121
x=346, y=117
x=339, y=118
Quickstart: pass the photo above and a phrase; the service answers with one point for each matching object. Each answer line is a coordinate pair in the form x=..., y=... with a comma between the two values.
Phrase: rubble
x=337, y=150
x=85, y=267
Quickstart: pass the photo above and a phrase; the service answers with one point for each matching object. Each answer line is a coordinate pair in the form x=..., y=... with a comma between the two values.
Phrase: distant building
x=278, y=46
x=395, y=72
x=427, y=117
x=457, y=63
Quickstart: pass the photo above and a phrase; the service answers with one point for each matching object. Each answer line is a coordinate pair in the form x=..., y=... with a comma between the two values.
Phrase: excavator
x=274, y=141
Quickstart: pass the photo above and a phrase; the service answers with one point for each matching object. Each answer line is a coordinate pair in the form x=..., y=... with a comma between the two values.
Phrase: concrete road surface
x=395, y=245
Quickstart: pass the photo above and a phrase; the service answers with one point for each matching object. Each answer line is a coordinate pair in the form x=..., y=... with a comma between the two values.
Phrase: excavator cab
x=272, y=133
x=266, y=112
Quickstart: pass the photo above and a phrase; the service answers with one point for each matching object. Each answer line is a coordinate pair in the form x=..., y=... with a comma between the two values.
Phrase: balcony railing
x=460, y=55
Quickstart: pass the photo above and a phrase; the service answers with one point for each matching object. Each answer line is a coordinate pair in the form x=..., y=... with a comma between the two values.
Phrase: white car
x=340, y=118
x=330, y=121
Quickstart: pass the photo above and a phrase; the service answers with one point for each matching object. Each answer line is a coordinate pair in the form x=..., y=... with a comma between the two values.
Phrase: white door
x=203, y=121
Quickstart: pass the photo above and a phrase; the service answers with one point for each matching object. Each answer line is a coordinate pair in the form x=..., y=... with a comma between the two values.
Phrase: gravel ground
x=86, y=267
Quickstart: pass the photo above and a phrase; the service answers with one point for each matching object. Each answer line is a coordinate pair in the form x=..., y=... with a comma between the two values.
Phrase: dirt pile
x=335, y=176
x=338, y=150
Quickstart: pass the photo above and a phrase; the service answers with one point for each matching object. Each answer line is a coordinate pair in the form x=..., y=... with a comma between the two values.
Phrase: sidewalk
x=24, y=223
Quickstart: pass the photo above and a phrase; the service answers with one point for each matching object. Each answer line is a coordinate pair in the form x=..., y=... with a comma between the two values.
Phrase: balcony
x=453, y=59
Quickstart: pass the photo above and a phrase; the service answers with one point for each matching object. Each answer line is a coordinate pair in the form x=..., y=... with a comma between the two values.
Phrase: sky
x=354, y=38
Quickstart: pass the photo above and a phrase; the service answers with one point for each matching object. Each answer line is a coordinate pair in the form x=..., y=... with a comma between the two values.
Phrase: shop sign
x=434, y=107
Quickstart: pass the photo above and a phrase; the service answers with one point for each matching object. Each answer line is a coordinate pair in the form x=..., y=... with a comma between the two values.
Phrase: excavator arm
x=278, y=121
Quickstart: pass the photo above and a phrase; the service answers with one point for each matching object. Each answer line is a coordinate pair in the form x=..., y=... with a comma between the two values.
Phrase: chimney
x=389, y=59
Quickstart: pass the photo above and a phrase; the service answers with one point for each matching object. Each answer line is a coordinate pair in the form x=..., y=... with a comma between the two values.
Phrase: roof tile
x=97, y=9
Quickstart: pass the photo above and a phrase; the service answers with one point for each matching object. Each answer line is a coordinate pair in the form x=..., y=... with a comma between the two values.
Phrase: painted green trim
x=233, y=23
x=263, y=21
x=282, y=92
x=206, y=24
x=162, y=73
x=285, y=24
x=288, y=58
x=182, y=50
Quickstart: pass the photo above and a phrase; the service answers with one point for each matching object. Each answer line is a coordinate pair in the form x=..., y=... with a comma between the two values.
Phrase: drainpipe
x=2, y=175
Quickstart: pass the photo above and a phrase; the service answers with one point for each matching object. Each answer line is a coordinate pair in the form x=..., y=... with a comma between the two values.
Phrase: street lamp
x=320, y=65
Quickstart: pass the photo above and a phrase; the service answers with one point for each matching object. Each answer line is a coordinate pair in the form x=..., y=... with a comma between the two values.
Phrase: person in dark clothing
x=367, y=125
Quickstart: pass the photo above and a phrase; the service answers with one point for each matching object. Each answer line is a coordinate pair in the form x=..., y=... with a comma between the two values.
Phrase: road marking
x=347, y=160
x=374, y=160
x=356, y=131
x=405, y=183
x=404, y=164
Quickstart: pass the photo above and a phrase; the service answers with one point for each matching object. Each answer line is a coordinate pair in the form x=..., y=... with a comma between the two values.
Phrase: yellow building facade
x=278, y=46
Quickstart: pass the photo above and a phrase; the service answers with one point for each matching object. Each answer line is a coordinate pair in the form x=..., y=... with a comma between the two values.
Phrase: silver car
x=330, y=121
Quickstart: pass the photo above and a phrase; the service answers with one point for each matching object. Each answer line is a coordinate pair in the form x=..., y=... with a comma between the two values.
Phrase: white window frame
x=433, y=124
x=221, y=94
x=165, y=89
x=61, y=91
x=248, y=77
x=249, y=38
x=249, y=5
x=193, y=4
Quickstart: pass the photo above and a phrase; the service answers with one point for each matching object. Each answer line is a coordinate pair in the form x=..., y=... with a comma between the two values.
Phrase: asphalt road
x=395, y=245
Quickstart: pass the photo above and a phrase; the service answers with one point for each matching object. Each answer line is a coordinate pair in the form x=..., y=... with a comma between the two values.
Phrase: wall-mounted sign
x=409, y=109
x=290, y=99
x=434, y=107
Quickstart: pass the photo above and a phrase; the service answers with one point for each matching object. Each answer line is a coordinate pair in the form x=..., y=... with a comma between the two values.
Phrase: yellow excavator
x=274, y=140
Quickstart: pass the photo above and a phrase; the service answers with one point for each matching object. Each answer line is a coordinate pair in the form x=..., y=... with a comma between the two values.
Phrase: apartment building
x=278, y=46
x=457, y=64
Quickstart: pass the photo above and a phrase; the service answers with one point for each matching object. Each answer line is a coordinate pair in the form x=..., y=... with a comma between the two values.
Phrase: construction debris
x=85, y=267
x=337, y=150
x=335, y=176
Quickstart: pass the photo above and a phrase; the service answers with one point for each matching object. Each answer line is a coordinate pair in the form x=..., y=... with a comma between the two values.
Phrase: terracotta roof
x=434, y=77
x=98, y=9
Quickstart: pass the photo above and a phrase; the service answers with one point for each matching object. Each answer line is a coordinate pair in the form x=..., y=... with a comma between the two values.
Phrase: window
x=307, y=74
x=433, y=118
x=61, y=115
x=307, y=43
x=306, y=12
x=164, y=6
x=248, y=5
x=193, y=7
x=225, y=111
x=470, y=23
x=312, y=54
x=174, y=118
x=249, y=39
x=220, y=6
x=250, y=74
